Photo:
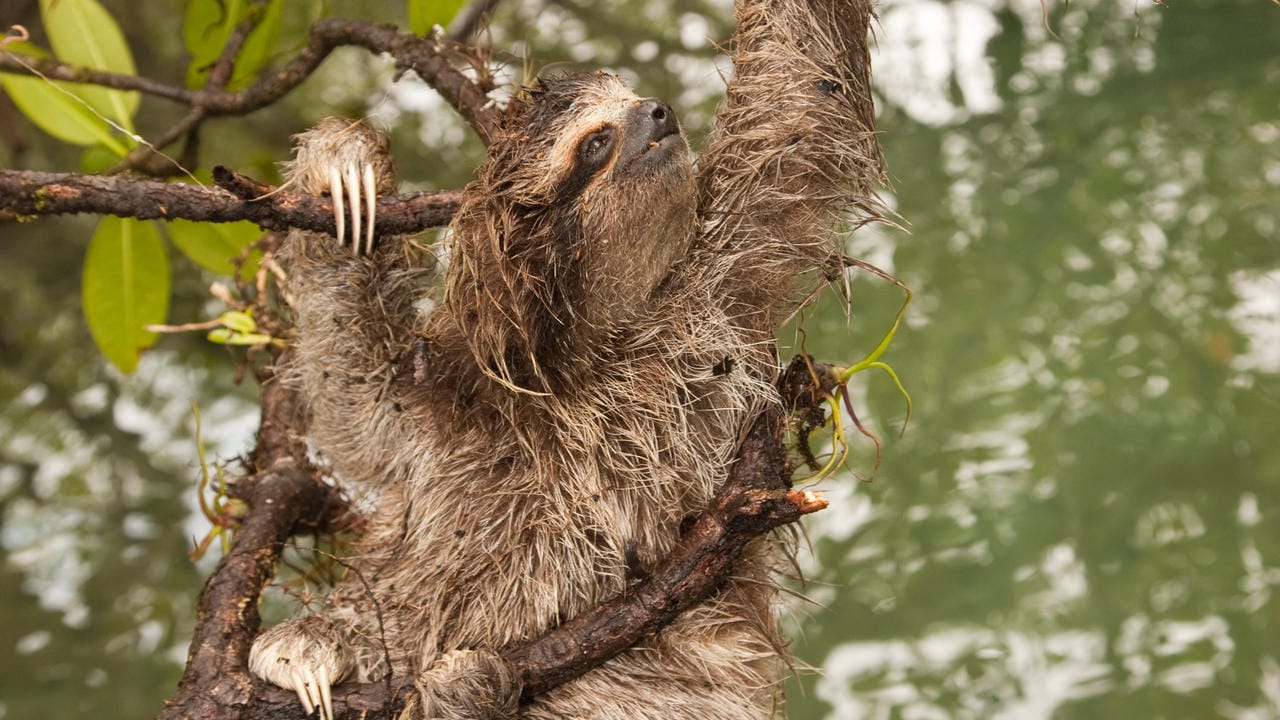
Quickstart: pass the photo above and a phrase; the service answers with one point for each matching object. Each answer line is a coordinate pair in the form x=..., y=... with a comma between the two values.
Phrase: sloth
x=536, y=415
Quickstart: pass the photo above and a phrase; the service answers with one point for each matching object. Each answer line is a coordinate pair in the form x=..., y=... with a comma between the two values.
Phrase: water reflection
x=1082, y=522
x=96, y=513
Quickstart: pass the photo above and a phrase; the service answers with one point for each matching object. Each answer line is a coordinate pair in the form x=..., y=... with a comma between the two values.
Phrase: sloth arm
x=355, y=320
x=792, y=153
x=354, y=308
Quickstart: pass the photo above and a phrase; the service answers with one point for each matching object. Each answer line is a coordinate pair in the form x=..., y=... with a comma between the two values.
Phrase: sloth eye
x=594, y=149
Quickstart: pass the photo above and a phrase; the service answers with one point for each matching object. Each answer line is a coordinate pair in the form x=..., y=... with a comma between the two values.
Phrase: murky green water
x=1083, y=519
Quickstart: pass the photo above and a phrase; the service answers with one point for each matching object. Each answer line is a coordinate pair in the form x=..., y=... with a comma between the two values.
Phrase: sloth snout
x=659, y=118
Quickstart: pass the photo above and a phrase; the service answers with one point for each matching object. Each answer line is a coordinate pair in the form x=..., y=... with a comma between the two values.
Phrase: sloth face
x=603, y=133
x=585, y=204
x=618, y=172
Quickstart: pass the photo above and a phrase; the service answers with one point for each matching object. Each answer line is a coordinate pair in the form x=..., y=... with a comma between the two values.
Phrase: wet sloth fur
x=535, y=425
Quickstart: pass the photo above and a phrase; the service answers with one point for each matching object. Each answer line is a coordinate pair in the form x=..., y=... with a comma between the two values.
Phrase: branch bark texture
x=27, y=194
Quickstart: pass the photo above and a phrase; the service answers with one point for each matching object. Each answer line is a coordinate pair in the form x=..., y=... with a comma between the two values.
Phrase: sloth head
x=592, y=168
x=585, y=203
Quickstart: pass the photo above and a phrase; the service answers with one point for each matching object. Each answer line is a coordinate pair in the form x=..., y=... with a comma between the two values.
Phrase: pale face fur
x=638, y=208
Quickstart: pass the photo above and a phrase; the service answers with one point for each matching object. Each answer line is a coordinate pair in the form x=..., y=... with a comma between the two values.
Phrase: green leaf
x=52, y=106
x=426, y=14
x=258, y=47
x=83, y=33
x=241, y=322
x=213, y=245
x=209, y=23
x=125, y=287
x=97, y=159
x=248, y=339
x=225, y=336
x=219, y=335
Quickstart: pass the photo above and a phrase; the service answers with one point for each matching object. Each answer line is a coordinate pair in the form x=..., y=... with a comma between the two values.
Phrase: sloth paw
x=468, y=685
x=305, y=656
x=352, y=161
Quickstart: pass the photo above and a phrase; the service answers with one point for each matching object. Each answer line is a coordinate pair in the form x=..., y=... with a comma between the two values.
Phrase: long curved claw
x=303, y=688
x=305, y=655
x=326, y=693
x=352, y=178
x=313, y=688
x=350, y=160
x=339, y=208
x=371, y=198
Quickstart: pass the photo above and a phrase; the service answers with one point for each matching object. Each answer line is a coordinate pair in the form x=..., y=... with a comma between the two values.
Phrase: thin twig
x=428, y=57
x=224, y=67
x=141, y=154
x=219, y=75
x=55, y=70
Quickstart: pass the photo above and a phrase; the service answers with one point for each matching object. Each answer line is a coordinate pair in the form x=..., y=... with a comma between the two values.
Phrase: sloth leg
x=307, y=655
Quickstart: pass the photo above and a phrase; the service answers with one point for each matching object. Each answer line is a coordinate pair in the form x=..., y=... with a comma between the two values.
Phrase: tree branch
x=54, y=70
x=427, y=56
x=225, y=66
x=220, y=74
x=26, y=194
x=283, y=495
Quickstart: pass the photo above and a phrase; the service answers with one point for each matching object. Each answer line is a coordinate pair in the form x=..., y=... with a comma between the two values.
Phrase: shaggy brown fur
x=604, y=337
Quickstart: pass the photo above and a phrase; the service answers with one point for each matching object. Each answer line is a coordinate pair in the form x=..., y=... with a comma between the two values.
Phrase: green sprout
x=223, y=513
x=835, y=418
x=236, y=327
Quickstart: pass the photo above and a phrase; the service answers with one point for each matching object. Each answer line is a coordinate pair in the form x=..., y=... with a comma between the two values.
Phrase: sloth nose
x=659, y=117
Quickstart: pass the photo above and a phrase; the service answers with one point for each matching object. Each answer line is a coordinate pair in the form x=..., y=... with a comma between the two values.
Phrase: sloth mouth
x=650, y=157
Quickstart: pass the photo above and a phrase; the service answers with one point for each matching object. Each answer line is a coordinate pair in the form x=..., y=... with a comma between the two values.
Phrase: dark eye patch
x=592, y=154
x=595, y=149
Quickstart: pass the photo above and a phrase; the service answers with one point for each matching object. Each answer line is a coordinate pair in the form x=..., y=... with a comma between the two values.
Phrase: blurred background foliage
x=1083, y=520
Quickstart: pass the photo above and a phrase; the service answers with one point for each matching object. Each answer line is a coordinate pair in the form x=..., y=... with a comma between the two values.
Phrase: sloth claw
x=313, y=688
x=313, y=685
x=304, y=657
x=339, y=208
x=371, y=193
x=303, y=688
x=357, y=186
x=326, y=694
